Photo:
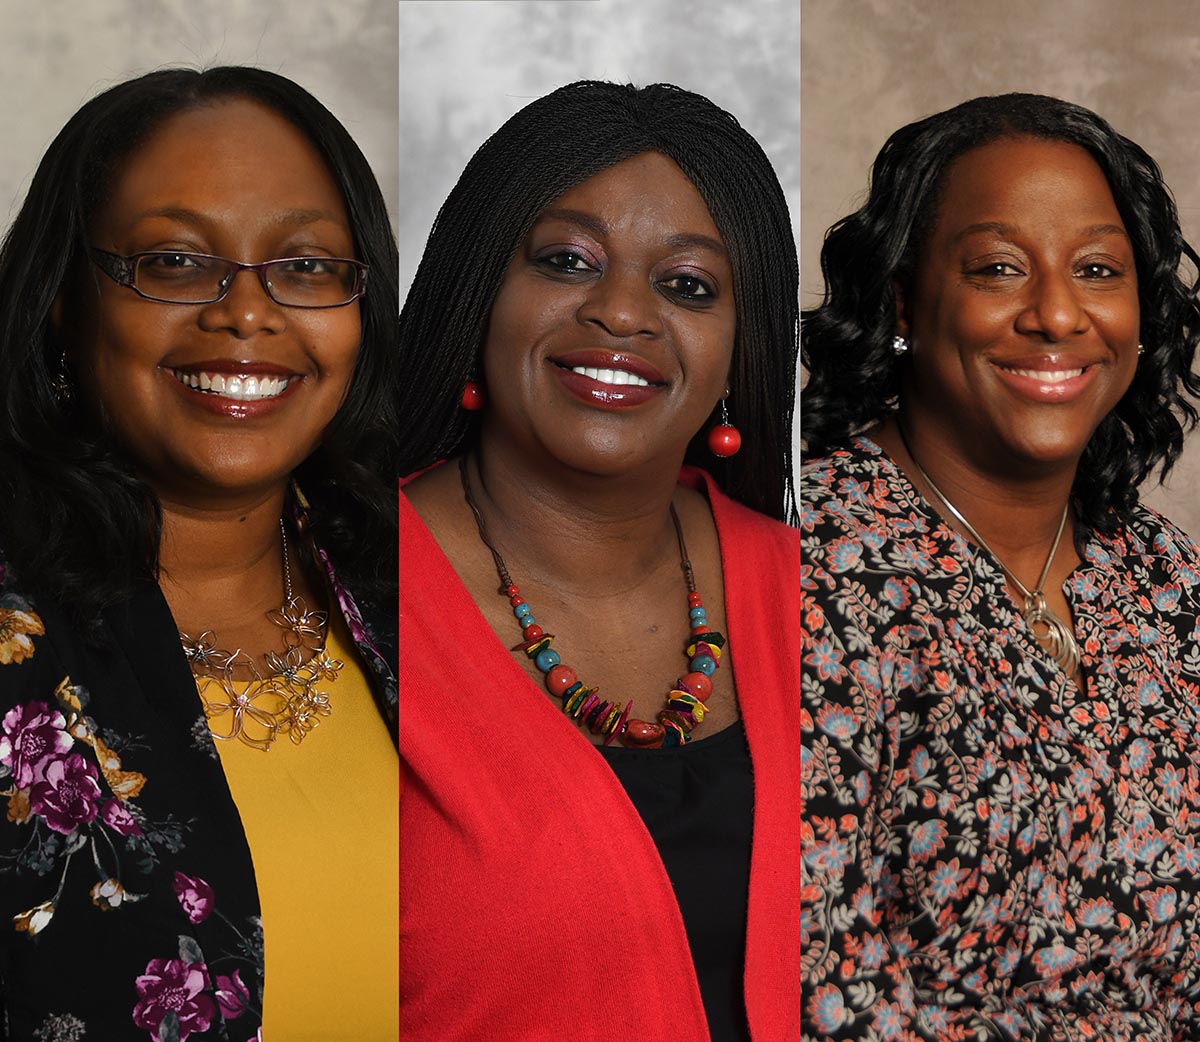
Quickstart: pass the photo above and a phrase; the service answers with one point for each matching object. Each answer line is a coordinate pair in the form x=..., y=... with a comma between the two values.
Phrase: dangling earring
x=899, y=345
x=724, y=439
x=1141, y=350
x=473, y=399
x=60, y=382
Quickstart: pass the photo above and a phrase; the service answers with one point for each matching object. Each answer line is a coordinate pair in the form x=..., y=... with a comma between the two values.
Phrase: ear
x=901, y=294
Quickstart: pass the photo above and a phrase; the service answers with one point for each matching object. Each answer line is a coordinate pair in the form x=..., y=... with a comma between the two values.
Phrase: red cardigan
x=533, y=902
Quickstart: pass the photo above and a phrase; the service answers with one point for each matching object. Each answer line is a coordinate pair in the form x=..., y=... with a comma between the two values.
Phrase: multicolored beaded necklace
x=685, y=703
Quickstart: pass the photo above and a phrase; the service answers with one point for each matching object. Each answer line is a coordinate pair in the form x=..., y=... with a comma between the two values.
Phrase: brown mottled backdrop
x=55, y=54
x=870, y=66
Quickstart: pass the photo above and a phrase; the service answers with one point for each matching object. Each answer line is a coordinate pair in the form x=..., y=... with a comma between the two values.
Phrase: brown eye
x=688, y=286
x=565, y=260
x=997, y=270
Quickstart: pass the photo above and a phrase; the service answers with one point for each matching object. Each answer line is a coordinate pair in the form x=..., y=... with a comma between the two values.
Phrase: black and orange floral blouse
x=989, y=851
x=128, y=906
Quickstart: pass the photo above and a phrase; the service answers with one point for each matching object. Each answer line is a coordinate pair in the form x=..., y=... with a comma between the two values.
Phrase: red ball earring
x=724, y=439
x=473, y=398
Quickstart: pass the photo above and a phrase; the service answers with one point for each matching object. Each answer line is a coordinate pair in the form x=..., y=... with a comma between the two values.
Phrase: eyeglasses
x=173, y=277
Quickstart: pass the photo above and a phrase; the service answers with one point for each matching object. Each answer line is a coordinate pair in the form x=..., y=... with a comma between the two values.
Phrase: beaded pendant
x=685, y=703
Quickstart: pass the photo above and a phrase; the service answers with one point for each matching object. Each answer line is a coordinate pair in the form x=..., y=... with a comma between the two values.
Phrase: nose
x=246, y=309
x=623, y=304
x=1054, y=308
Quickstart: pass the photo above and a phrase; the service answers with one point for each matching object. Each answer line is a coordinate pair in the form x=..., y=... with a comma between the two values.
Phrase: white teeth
x=1056, y=376
x=611, y=376
x=239, y=388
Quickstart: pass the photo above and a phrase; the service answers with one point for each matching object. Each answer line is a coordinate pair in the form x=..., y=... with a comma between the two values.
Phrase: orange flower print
x=18, y=806
x=16, y=629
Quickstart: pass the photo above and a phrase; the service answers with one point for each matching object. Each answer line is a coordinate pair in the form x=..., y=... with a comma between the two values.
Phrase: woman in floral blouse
x=1001, y=683
x=197, y=425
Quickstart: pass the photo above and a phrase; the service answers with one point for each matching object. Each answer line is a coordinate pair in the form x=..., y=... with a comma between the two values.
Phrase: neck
x=1016, y=514
x=215, y=554
x=566, y=528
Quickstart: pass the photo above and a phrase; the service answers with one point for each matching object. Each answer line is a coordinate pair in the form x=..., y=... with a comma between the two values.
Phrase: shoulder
x=856, y=493
x=740, y=528
x=1147, y=536
x=845, y=474
x=20, y=622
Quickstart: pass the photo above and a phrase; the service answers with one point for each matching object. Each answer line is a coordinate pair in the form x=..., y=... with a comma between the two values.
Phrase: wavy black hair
x=548, y=147
x=77, y=523
x=846, y=342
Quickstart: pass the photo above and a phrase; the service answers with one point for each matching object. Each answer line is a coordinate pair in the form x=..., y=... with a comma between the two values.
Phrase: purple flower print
x=353, y=617
x=172, y=986
x=232, y=995
x=32, y=734
x=68, y=795
x=117, y=818
x=195, y=896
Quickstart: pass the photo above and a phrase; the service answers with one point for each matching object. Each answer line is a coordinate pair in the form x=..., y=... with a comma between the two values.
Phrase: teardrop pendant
x=1052, y=633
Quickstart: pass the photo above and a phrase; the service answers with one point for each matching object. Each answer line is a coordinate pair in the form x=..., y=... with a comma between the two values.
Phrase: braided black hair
x=77, y=523
x=846, y=340
x=549, y=146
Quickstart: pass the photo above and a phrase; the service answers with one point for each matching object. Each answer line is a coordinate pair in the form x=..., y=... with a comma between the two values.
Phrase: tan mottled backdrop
x=466, y=66
x=55, y=54
x=870, y=66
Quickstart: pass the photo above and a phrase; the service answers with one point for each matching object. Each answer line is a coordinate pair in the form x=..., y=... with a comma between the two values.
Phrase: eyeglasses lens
x=188, y=278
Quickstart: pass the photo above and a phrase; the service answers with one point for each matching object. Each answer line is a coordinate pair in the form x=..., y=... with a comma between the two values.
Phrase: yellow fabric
x=322, y=822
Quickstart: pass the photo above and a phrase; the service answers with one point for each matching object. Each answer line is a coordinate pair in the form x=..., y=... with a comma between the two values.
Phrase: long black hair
x=846, y=342
x=76, y=522
x=548, y=147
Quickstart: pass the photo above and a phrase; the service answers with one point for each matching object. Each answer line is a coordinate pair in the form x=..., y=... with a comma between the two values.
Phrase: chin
x=606, y=453
x=1046, y=448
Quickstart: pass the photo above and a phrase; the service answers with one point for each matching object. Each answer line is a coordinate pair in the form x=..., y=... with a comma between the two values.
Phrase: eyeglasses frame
x=122, y=269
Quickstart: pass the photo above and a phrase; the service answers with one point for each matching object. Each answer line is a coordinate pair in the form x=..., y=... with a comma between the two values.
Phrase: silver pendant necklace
x=1051, y=633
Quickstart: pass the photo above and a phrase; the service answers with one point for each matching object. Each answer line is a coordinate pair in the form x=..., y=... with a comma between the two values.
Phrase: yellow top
x=323, y=825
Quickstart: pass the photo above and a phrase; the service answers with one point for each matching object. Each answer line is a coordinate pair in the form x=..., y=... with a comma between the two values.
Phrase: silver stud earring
x=899, y=345
x=1141, y=350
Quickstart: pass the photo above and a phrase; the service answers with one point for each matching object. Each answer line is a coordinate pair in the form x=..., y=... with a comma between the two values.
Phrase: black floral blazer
x=128, y=906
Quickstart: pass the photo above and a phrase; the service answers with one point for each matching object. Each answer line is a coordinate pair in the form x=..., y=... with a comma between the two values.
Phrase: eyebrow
x=598, y=227
x=704, y=242
x=586, y=220
x=1008, y=231
x=284, y=217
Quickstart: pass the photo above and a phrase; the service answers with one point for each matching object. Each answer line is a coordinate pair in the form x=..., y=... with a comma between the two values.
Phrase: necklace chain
x=685, y=706
x=285, y=700
x=1056, y=639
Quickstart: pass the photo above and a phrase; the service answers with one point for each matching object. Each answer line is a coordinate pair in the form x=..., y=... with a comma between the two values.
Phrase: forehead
x=648, y=194
x=1026, y=182
x=228, y=160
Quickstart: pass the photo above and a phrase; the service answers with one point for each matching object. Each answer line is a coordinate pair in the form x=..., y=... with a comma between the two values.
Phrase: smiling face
x=228, y=397
x=1023, y=311
x=610, y=339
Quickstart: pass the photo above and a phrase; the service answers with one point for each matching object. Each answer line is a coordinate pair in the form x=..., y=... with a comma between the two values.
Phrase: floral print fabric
x=990, y=852
x=128, y=905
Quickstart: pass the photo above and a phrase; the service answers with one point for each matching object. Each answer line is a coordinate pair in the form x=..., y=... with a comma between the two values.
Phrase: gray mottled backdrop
x=870, y=66
x=55, y=54
x=466, y=66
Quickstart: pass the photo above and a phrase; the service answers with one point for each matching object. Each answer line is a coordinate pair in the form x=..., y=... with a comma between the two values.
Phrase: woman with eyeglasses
x=197, y=609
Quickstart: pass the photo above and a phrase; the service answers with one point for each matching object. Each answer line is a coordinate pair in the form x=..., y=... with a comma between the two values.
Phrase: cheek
x=335, y=341
x=973, y=320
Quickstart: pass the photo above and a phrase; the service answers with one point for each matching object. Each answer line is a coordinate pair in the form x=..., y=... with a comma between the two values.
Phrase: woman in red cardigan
x=599, y=826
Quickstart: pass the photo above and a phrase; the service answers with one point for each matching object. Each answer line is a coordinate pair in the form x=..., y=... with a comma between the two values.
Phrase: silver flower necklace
x=1051, y=633
x=285, y=700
